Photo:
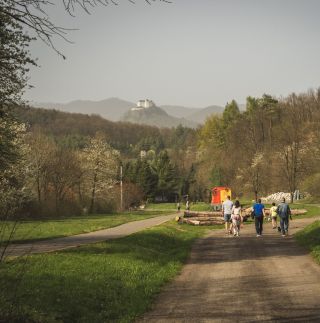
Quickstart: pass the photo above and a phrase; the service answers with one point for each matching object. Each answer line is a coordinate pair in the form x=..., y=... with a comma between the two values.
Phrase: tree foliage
x=33, y=14
x=14, y=60
x=13, y=168
x=167, y=179
x=271, y=146
x=100, y=163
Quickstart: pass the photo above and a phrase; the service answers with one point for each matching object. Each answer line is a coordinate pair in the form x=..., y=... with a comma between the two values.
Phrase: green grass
x=309, y=237
x=313, y=209
x=162, y=206
x=199, y=206
x=48, y=229
x=113, y=281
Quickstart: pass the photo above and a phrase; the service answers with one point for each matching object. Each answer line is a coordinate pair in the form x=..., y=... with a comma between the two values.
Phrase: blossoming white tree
x=100, y=164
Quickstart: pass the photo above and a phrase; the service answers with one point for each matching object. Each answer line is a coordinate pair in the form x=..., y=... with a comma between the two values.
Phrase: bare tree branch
x=33, y=14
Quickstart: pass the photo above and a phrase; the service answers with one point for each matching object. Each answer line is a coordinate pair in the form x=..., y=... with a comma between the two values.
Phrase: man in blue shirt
x=258, y=209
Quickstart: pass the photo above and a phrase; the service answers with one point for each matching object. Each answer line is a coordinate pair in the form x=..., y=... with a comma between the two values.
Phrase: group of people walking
x=233, y=216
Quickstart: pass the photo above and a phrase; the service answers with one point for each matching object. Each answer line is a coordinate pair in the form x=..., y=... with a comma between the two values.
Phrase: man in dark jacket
x=284, y=212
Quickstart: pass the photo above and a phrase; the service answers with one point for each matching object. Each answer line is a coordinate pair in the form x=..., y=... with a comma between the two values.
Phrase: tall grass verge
x=309, y=237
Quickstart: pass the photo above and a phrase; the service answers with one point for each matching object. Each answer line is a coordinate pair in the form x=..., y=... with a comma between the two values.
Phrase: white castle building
x=143, y=104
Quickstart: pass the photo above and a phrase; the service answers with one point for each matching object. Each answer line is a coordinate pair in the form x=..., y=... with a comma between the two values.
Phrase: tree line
x=54, y=162
x=65, y=164
x=273, y=145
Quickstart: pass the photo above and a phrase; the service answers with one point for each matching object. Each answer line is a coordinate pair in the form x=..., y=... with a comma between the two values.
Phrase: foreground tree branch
x=18, y=15
x=33, y=14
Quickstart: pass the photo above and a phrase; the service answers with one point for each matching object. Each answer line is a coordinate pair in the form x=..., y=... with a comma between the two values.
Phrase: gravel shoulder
x=244, y=279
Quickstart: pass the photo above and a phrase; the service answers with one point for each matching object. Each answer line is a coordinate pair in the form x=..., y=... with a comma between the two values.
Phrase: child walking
x=273, y=214
x=236, y=218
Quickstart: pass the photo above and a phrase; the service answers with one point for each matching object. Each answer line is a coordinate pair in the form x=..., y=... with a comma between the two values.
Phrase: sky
x=193, y=53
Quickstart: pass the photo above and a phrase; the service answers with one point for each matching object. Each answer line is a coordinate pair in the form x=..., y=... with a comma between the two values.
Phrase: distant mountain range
x=115, y=109
x=112, y=109
x=178, y=111
x=200, y=115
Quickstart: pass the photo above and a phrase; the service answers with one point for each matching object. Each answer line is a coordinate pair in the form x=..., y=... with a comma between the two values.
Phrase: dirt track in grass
x=244, y=279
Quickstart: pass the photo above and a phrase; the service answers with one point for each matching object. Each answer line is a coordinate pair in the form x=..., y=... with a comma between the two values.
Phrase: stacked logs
x=202, y=218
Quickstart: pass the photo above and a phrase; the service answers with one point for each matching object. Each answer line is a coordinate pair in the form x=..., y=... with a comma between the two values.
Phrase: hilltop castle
x=143, y=104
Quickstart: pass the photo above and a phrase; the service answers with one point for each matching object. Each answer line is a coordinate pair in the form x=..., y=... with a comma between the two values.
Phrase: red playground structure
x=219, y=195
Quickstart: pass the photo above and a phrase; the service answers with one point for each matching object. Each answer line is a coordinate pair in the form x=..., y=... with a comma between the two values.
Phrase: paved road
x=85, y=238
x=243, y=279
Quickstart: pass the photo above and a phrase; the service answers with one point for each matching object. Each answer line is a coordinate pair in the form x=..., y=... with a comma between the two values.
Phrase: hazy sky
x=190, y=52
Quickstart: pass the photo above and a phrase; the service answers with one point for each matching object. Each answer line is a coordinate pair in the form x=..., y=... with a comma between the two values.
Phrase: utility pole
x=121, y=191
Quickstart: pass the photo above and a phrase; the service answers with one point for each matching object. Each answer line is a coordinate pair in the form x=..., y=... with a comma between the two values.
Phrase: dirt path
x=244, y=279
x=85, y=238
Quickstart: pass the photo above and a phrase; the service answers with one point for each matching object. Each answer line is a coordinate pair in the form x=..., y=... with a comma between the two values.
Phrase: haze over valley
x=115, y=109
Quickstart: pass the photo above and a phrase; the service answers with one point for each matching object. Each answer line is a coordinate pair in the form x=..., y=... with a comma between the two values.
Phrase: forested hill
x=72, y=128
x=155, y=116
x=111, y=109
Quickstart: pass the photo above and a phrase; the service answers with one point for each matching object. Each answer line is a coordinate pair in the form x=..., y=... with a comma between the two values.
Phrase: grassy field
x=310, y=238
x=313, y=209
x=200, y=206
x=106, y=282
x=47, y=229
x=113, y=281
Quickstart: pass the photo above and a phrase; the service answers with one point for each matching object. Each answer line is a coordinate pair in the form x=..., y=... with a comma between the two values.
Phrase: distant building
x=143, y=104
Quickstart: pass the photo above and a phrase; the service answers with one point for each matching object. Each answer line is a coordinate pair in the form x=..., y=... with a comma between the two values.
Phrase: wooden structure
x=219, y=195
